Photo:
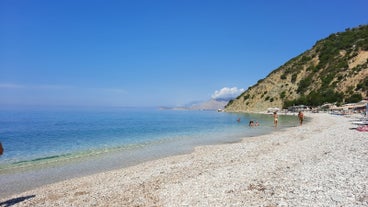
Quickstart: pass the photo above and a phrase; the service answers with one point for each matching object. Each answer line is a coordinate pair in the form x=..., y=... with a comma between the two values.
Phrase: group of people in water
x=276, y=119
x=251, y=123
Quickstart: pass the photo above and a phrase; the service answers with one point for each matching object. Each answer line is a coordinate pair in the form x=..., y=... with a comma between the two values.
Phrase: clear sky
x=153, y=52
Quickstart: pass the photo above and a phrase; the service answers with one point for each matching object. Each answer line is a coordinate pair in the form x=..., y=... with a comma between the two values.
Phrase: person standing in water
x=275, y=118
x=301, y=117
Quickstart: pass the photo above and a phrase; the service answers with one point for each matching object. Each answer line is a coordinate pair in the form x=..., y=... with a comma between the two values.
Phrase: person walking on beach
x=275, y=118
x=301, y=117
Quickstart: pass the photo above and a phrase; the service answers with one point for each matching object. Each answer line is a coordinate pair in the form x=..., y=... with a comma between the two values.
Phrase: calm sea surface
x=112, y=138
x=35, y=135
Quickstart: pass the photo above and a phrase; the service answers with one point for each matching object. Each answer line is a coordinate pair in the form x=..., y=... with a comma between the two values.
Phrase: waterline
x=110, y=141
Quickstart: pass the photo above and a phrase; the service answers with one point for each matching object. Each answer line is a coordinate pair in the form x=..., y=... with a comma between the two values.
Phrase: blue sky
x=153, y=52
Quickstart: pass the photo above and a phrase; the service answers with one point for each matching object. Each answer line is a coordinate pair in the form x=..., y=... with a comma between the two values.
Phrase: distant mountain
x=335, y=69
x=212, y=104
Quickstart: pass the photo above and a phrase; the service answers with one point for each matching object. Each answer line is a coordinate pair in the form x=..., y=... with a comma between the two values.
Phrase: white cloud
x=59, y=95
x=113, y=90
x=227, y=93
x=10, y=86
x=53, y=87
x=44, y=87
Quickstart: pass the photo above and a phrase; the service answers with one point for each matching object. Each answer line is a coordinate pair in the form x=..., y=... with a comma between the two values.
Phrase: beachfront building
x=298, y=108
x=350, y=108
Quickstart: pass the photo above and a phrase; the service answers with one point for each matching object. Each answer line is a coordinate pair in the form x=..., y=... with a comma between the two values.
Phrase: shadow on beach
x=14, y=201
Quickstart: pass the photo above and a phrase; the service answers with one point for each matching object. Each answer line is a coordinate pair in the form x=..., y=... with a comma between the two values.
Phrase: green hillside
x=334, y=70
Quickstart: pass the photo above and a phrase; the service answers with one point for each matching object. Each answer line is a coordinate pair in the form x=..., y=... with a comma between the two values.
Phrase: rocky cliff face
x=334, y=70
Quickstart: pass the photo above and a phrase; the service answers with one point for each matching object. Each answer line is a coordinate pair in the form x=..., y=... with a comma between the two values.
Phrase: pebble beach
x=322, y=163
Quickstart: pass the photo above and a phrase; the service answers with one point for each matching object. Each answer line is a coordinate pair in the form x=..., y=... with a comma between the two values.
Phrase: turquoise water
x=44, y=146
x=36, y=135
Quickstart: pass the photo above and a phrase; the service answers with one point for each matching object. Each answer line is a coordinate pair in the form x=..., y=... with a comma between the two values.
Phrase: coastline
x=322, y=163
x=51, y=169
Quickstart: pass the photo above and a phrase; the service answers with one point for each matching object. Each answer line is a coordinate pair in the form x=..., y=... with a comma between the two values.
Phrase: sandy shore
x=322, y=163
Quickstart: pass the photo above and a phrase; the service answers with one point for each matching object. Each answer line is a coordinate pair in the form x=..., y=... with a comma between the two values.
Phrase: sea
x=50, y=145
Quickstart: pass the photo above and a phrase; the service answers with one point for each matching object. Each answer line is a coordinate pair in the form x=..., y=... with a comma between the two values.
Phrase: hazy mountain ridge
x=210, y=105
x=335, y=69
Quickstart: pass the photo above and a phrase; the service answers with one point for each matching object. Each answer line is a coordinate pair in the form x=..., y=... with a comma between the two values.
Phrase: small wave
x=55, y=160
x=38, y=159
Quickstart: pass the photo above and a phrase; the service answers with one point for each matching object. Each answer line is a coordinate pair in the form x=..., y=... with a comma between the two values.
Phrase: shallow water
x=51, y=145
